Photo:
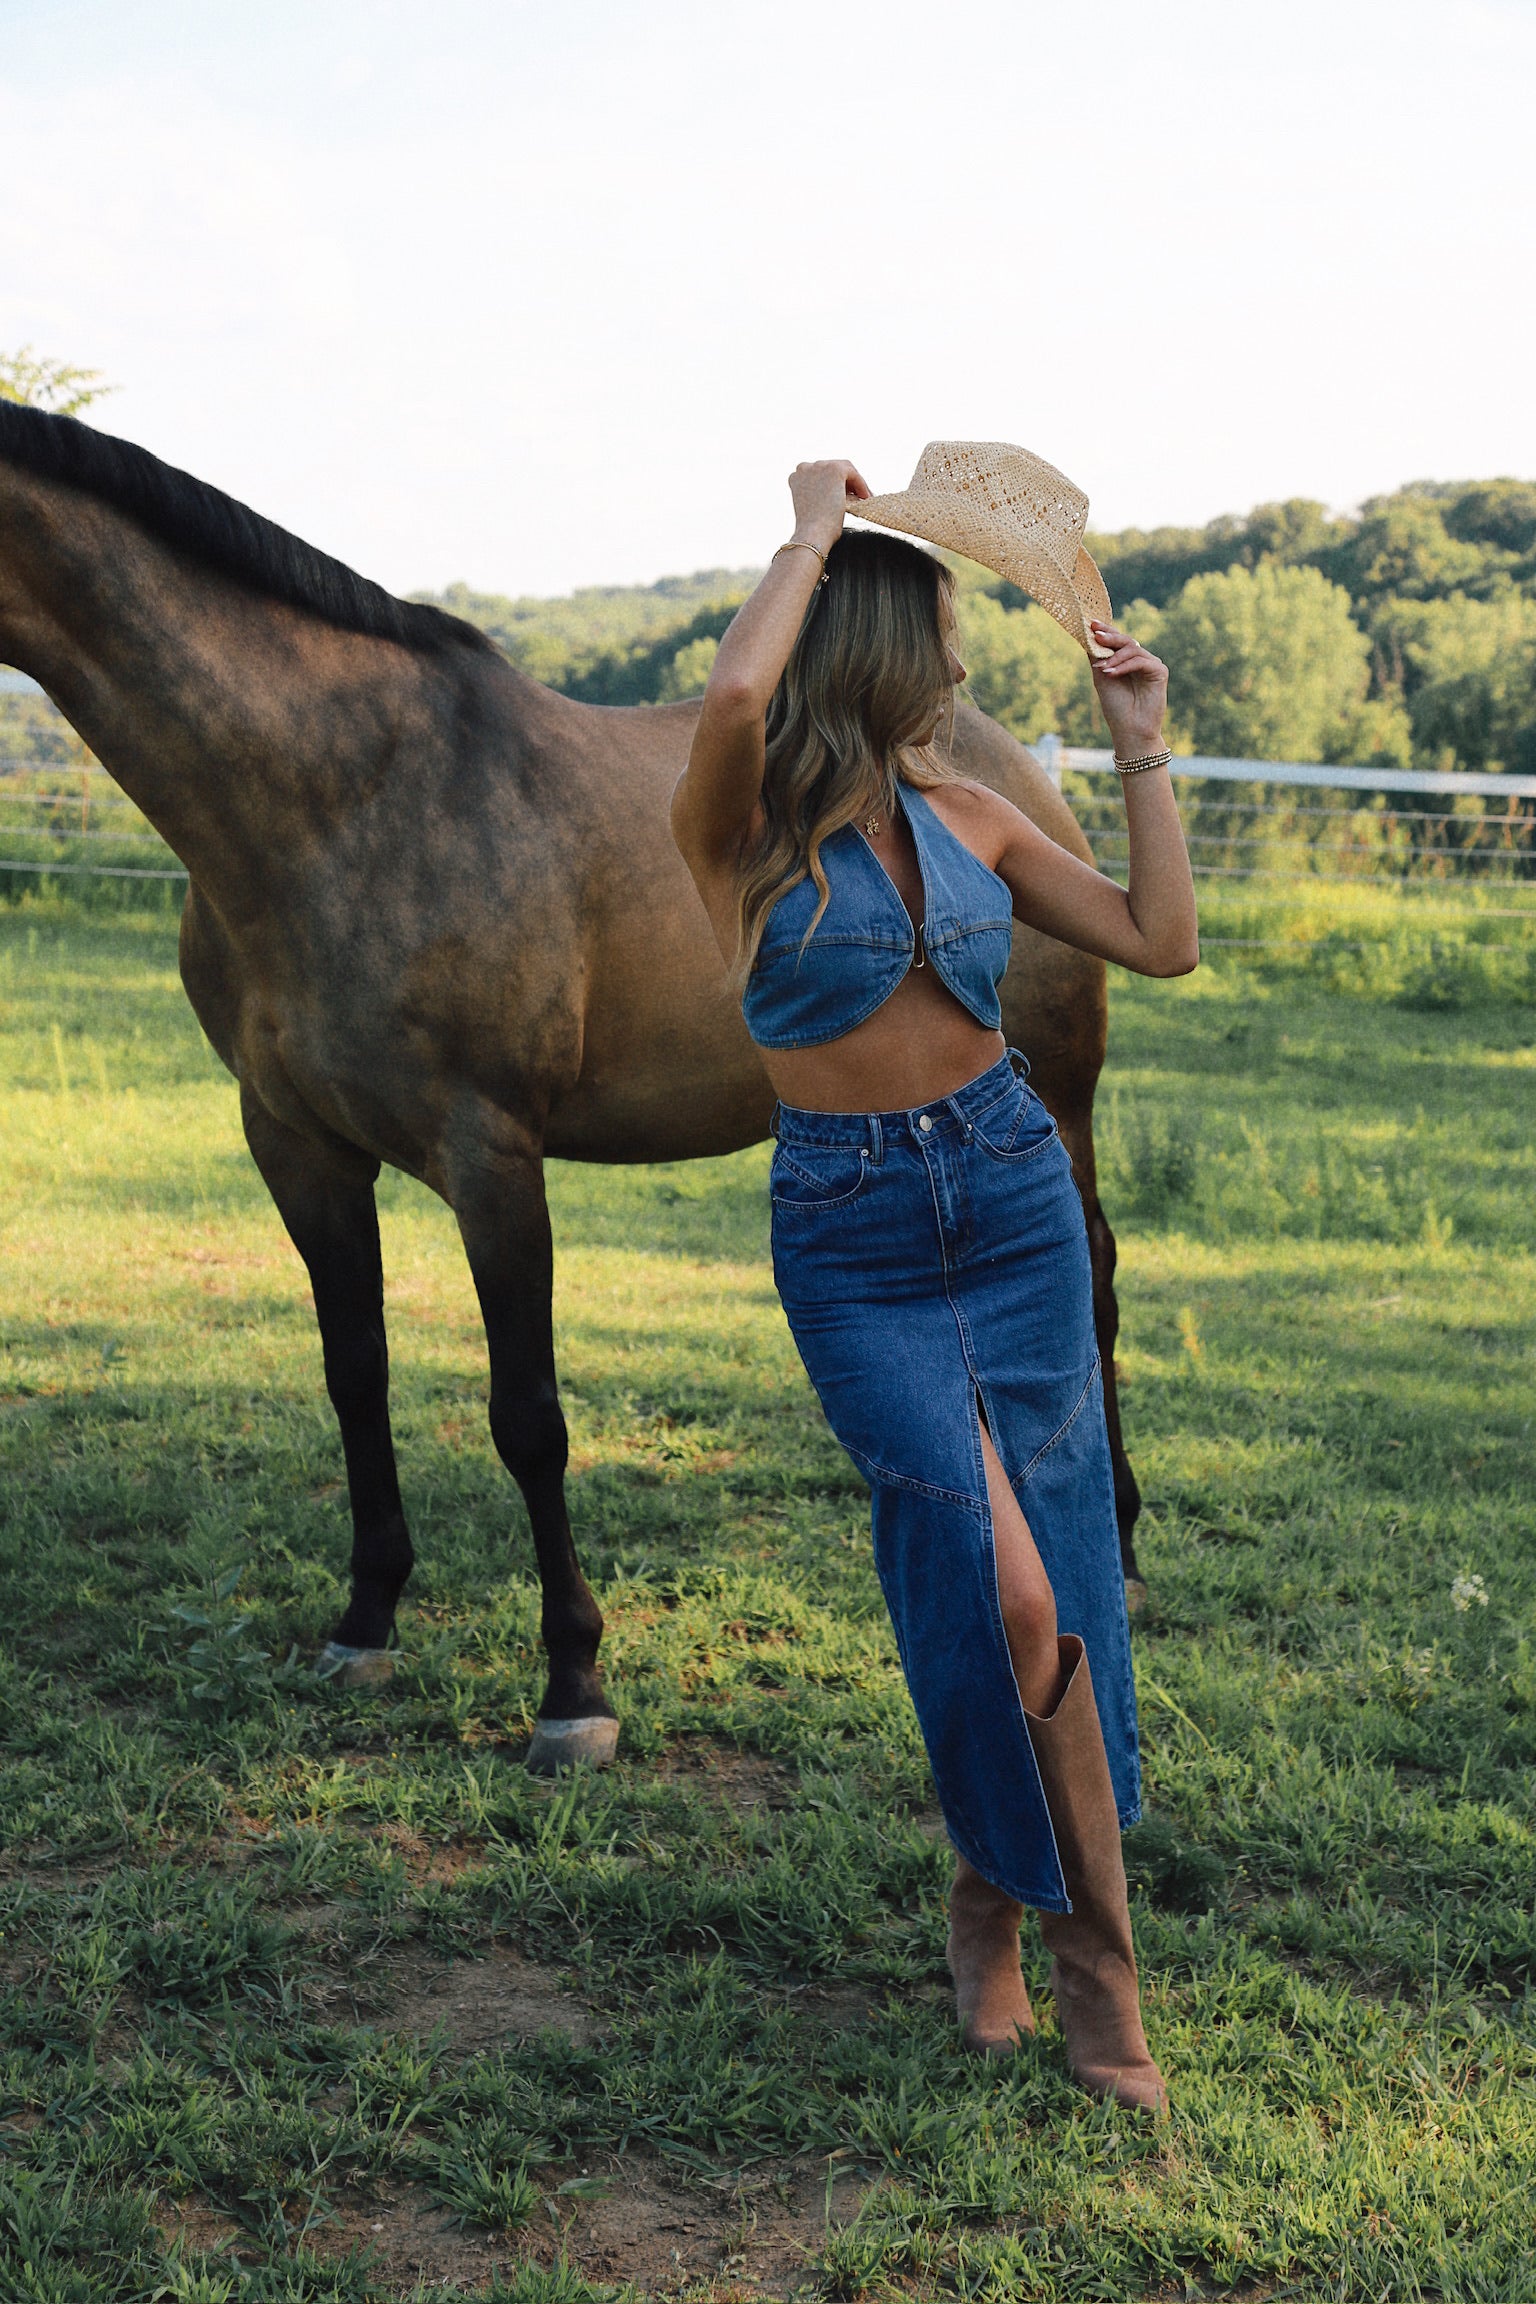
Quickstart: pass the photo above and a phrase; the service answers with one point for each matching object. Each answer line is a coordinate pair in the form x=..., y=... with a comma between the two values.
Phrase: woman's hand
x=821, y=494
x=1149, y=924
x=1132, y=686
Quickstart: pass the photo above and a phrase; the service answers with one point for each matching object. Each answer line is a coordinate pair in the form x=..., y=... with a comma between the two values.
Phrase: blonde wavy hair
x=858, y=709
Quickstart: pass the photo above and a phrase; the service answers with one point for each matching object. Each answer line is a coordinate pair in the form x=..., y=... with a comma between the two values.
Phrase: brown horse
x=435, y=918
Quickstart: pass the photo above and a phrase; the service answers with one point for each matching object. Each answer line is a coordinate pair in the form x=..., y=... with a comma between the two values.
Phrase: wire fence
x=1292, y=827
x=1265, y=824
x=69, y=819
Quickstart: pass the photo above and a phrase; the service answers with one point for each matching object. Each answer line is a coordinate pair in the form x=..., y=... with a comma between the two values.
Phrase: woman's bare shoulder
x=982, y=818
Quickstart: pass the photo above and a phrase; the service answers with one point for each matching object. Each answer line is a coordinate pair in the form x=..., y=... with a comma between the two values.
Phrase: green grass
x=220, y=1878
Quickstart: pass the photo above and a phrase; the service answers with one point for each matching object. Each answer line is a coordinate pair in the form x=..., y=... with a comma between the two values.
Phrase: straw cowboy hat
x=1014, y=513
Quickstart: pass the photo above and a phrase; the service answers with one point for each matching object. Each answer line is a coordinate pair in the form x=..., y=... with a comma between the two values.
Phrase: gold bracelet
x=802, y=544
x=1142, y=762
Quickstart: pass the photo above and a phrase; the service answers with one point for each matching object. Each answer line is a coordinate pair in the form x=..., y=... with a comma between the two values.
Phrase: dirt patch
x=429, y=1861
x=478, y=2004
x=199, y=2230
x=837, y=2007
x=727, y=1775
x=55, y=1877
x=412, y=2242
x=637, y=2216
x=408, y=2238
x=747, y=2235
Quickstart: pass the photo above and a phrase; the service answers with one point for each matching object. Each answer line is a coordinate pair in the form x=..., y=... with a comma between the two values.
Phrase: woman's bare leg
x=1023, y=1591
x=1093, y=1969
x=983, y=1948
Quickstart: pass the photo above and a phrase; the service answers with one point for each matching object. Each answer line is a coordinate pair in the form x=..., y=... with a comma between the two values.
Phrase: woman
x=929, y=1244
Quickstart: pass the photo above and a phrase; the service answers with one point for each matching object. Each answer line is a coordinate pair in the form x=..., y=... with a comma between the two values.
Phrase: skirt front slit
x=934, y=1268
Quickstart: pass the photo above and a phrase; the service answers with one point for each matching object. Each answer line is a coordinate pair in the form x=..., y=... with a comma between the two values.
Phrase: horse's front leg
x=504, y=1221
x=324, y=1194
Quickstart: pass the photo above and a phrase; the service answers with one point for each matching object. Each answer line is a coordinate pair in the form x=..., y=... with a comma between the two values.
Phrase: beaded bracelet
x=1142, y=762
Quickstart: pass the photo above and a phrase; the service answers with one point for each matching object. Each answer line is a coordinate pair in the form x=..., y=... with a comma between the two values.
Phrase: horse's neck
x=233, y=721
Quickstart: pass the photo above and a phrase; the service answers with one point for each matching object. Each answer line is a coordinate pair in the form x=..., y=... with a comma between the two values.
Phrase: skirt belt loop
x=876, y=1140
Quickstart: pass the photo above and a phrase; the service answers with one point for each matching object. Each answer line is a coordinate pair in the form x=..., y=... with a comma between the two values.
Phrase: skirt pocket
x=810, y=1177
x=1016, y=1128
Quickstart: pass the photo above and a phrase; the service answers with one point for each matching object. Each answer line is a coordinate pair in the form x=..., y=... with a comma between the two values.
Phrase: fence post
x=1047, y=750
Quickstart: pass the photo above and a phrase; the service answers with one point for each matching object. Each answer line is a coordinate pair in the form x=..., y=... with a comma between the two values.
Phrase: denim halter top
x=864, y=942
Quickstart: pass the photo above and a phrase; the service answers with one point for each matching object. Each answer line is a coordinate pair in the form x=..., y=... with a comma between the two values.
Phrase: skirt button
x=925, y=1124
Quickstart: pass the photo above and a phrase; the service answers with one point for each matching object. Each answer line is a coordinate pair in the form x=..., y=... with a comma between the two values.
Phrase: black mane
x=213, y=528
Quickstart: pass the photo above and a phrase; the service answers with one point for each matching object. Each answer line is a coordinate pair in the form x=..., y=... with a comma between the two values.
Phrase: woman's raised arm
x=720, y=787
x=1149, y=925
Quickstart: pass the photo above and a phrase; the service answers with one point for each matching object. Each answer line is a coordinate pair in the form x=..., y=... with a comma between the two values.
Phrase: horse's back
x=547, y=957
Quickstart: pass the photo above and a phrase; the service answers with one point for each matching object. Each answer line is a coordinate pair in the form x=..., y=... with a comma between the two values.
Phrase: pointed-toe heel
x=983, y=1958
x=1093, y=1961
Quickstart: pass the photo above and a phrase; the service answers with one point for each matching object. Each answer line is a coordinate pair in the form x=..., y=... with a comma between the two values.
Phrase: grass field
x=314, y=1993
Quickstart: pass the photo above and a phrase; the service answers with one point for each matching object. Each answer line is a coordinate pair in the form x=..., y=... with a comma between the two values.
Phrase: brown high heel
x=1093, y=1964
x=983, y=1957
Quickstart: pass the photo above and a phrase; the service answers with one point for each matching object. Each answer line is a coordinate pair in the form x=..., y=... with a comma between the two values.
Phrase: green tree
x=1469, y=675
x=1497, y=512
x=689, y=670
x=1402, y=547
x=608, y=643
x=1268, y=664
x=1294, y=532
x=1155, y=565
x=1024, y=670
x=1302, y=674
x=38, y=382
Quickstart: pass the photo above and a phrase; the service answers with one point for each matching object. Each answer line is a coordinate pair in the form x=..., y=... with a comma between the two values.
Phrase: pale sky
x=543, y=295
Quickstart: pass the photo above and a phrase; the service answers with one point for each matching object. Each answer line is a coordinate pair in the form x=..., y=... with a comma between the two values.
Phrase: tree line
x=1404, y=633
x=1401, y=633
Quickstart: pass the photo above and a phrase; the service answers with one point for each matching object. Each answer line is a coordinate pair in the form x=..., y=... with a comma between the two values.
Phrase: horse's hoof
x=354, y=1667
x=561, y=1744
x=1135, y=1594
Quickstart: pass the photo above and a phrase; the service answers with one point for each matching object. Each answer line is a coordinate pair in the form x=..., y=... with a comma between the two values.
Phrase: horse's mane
x=211, y=527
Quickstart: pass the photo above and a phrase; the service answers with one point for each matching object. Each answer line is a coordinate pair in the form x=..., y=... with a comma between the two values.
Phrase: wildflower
x=1468, y=1592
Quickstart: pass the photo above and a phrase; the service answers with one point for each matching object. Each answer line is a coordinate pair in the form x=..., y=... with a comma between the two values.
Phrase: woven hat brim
x=1030, y=558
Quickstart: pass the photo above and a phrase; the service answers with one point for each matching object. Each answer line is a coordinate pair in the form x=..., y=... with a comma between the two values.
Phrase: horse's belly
x=668, y=1102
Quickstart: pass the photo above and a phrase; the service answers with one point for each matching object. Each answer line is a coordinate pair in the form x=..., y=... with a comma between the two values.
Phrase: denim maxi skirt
x=927, y=1261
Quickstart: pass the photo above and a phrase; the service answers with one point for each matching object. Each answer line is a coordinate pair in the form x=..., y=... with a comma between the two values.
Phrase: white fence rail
x=1053, y=756
x=1297, y=820
x=1310, y=822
